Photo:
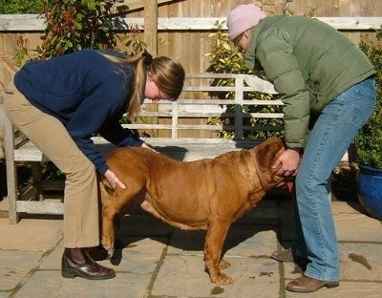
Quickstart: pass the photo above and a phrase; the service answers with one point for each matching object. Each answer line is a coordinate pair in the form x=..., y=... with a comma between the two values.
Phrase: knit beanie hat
x=243, y=17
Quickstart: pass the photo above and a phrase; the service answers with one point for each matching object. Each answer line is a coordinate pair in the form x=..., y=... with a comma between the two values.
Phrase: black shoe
x=285, y=255
x=87, y=269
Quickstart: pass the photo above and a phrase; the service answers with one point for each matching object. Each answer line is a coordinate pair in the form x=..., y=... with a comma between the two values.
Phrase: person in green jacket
x=327, y=84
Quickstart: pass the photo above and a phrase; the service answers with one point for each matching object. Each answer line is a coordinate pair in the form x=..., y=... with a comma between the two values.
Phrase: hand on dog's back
x=113, y=180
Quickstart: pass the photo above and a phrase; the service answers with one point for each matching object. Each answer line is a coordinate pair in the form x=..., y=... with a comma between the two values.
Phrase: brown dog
x=205, y=194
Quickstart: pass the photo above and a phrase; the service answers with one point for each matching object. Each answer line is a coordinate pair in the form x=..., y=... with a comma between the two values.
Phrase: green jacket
x=309, y=63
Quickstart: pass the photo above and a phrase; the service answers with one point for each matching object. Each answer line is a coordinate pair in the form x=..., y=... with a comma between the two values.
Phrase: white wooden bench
x=20, y=150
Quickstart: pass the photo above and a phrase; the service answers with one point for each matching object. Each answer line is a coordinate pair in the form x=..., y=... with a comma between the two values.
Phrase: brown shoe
x=305, y=284
x=286, y=255
x=86, y=268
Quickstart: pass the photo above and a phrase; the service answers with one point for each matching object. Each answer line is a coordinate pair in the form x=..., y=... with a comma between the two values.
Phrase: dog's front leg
x=216, y=234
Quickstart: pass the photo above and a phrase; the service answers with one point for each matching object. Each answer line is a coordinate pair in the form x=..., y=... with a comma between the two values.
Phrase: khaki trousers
x=81, y=214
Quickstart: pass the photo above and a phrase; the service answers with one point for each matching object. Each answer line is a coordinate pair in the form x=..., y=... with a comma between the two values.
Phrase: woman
x=59, y=104
x=322, y=76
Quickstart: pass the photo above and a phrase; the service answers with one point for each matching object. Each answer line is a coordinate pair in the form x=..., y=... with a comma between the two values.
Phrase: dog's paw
x=222, y=279
x=110, y=253
x=108, y=246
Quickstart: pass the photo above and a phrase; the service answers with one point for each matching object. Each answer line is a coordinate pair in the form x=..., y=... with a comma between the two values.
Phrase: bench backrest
x=195, y=102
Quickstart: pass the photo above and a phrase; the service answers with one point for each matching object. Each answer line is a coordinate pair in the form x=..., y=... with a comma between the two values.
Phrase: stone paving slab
x=156, y=260
x=351, y=225
x=265, y=213
x=342, y=208
x=255, y=242
x=30, y=234
x=138, y=263
x=143, y=226
x=51, y=284
x=140, y=257
x=15, y=266
x=146, y=224
x=242, y=241
x=184, y=276
x=362, y=262
x=4, y=206
x=358, y=262
x=345, y=290
x=358, y=227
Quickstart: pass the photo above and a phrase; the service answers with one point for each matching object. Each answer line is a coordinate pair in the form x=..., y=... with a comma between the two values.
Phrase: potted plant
x=368, y=144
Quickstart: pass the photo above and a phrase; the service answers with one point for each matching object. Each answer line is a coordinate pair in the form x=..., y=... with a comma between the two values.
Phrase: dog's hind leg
x=216, y=234
x=111, y=206
x=108, y=232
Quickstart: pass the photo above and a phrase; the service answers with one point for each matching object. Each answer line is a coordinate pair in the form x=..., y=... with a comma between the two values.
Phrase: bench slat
x=41, y=207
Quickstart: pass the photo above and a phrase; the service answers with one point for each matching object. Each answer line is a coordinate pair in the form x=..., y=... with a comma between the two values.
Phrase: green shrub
x=369, y=140
x=21, y=6
x=72, y=25
x=226, y=58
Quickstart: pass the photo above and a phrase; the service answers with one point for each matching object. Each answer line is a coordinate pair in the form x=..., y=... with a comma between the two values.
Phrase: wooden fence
x=184, y=26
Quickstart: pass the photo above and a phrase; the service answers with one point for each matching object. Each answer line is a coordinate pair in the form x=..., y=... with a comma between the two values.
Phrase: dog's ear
x=267, y=152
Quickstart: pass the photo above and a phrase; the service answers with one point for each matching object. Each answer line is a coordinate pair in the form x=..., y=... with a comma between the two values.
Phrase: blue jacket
x=87, y=92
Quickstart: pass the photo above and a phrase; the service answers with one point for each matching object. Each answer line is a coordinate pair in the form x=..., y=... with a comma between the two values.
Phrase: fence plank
x=33, y=22
x=151, y=25
x=40, y=207
x=138, y=4
x=187, y=101
x=209, y=114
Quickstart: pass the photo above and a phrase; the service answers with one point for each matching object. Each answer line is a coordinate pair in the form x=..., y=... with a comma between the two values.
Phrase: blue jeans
x=331, y=136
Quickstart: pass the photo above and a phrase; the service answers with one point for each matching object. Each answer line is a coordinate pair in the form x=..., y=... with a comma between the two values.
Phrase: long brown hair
x=167, y=74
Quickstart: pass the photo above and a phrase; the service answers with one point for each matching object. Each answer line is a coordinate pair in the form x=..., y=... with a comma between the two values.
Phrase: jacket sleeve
x=119, y=136
x=90, y=116
x=276, y=56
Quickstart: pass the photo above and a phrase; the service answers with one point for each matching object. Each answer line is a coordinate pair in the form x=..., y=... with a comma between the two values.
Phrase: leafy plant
x=21, y=6
x=226, y=58
x=72, y=25
x=369, y=140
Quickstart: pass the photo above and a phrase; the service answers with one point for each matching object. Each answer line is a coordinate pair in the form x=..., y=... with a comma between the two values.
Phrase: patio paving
x=155, y=260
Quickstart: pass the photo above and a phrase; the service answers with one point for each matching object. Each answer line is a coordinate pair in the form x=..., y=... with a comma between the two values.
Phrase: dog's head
x=266, y=153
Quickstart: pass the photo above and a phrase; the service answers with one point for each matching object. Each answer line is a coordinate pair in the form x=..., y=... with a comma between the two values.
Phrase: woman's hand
x=144, y=145
x=113, y=180
x=288, y=162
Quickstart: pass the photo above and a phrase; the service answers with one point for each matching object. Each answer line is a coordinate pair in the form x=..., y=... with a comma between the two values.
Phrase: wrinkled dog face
x=266, y=154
